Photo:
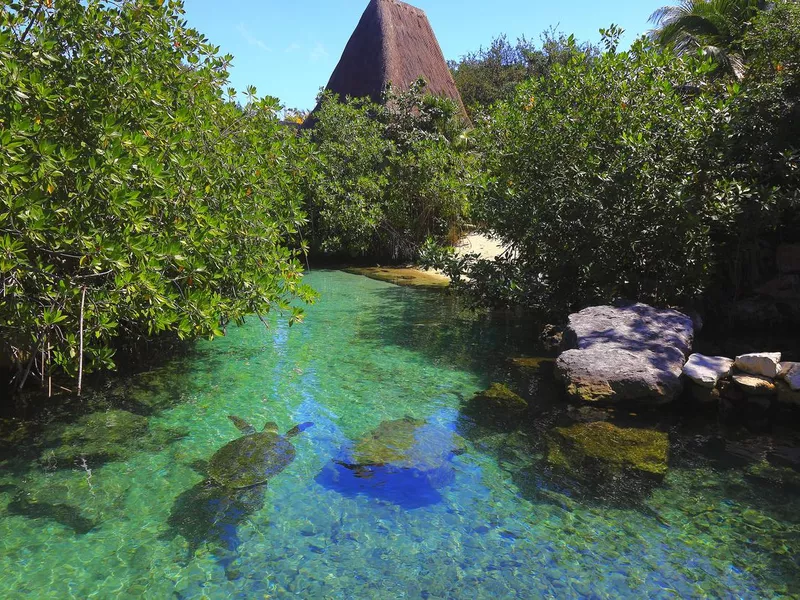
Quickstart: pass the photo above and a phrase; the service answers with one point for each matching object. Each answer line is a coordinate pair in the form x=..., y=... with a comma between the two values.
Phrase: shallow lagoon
x=498, y=523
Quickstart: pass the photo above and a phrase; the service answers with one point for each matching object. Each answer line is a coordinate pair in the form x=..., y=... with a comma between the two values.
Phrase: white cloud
x=251, y=39
x=318, y=53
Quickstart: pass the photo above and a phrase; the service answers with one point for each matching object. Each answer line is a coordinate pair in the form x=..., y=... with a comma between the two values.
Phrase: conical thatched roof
x=393, y=43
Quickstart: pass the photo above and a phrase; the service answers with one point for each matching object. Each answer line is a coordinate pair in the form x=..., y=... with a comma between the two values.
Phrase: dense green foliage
x=492, y=74
x=389, y=175
x=603, y=180
x=643, y=174
x=715, y=27
x=764, y=157
x=135, y=197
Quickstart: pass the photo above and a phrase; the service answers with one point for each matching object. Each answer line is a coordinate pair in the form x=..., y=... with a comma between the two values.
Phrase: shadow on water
x=210, y=514
x=441, y=327
x=66, y=515
x=407, y=488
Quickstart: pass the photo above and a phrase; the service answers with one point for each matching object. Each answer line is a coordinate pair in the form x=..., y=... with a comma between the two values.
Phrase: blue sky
x=289, y=50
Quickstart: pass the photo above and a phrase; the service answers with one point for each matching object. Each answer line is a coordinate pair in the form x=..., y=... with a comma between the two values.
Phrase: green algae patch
x=532, y=362
x=590, y=392
x=641, y=451
x=389, y=443
x=407, y=444
x=402, y=276
x=104, y=436
x=498, y=399
x=776, y=475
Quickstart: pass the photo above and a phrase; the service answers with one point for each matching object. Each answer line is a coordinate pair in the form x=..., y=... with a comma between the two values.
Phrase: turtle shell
x=251, y=459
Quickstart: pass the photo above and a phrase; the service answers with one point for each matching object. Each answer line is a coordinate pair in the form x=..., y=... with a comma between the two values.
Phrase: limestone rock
x=615, y=375
x=759, y=363
x=787, y=395
x=755, y=385
x=706, y=371
x=790, y=373
x=634, y=327
x=631, y=353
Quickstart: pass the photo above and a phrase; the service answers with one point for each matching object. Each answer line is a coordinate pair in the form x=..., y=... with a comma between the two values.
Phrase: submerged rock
x=776, y=475
x=759, y=363
x=614, y=449
x=497, y=400
x=105, y=436
x=405, y=445
x=706, y=371
x=633, y=353
x=102, y=437
x=533, y=362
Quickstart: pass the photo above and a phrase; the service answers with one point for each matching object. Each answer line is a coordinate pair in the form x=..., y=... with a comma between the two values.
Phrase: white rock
x=705, y=370
x=759, y=363
x=790, y=373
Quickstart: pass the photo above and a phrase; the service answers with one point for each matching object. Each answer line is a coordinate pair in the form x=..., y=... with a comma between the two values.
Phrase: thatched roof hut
x=393, y=43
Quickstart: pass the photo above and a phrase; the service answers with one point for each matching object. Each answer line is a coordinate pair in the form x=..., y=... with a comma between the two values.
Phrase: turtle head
x=299, y=428
x=271, y=427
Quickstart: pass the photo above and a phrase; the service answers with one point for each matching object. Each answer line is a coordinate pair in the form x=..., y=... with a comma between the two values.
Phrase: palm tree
x=716, y=27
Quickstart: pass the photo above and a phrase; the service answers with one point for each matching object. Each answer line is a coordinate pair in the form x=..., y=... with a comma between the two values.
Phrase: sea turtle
x=253, y=458
x=233, y=489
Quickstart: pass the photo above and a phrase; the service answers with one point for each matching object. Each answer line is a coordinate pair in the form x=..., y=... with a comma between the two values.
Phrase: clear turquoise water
x=496, y=524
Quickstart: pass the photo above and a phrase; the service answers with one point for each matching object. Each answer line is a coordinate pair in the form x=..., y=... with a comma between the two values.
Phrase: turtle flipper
x=298, y=429
x=242, y=425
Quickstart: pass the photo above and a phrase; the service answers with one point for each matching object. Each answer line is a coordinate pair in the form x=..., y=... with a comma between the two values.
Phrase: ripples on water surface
x=493, y=522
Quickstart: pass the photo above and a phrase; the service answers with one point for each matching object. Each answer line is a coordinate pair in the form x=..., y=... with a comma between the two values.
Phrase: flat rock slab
x=765, y=364
x=633, y=353
x=756, y=385
x=706, y=371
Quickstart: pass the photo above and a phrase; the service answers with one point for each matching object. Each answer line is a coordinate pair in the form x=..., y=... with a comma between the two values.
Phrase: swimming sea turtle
x=253, y=458
x=212, y=510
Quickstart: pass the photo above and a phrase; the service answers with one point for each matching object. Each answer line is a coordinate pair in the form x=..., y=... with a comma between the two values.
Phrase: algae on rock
x=497, y=400
x=104, y=436
x=407, y=444
x=614, y=449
